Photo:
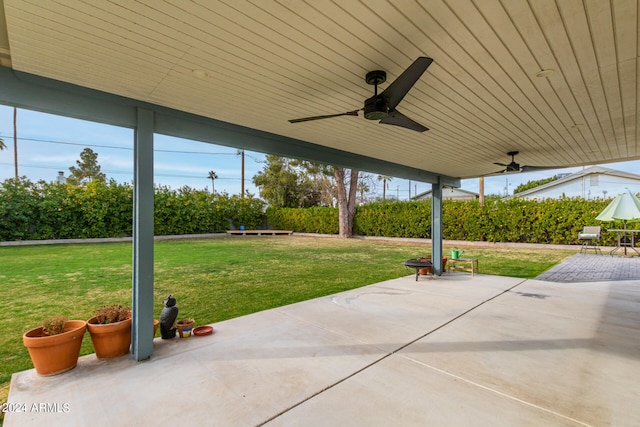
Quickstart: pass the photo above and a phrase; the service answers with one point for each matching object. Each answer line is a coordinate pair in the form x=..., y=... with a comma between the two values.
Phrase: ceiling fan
x=382, y=106
x=514, y=167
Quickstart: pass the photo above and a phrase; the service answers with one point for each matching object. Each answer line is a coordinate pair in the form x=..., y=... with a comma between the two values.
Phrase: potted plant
x=54, y=347
x=429, y=270
x=110, y=331
x=184, y=327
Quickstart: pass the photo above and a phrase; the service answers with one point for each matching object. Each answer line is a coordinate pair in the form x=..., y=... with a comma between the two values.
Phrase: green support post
x=142, y=295
x=436, y=227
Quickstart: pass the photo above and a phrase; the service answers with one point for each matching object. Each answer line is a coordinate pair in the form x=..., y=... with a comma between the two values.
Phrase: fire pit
x=418, y=263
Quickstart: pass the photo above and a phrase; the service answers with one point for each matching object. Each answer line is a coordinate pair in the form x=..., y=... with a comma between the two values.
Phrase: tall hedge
x=30, y=211
x=513, y=220
x=321, y=220
x=33, y=211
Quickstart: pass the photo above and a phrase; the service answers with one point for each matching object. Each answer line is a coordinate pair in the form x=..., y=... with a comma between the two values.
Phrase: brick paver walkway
x=593, y=268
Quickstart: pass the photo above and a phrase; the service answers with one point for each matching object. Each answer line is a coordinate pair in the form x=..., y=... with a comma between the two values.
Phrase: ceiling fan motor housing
x=376, y=108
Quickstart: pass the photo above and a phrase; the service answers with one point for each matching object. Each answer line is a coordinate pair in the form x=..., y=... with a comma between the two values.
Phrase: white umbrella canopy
x=625, y=206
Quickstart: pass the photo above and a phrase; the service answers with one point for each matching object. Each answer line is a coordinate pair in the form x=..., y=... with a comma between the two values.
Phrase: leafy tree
x=284, y=183
x=298, y=183
x=343, y=188
x=533, y=184
x=319, y=181
x=88, y=169
x=347, y=191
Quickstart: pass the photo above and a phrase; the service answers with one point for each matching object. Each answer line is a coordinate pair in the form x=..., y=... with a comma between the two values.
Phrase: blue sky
x=48, y=144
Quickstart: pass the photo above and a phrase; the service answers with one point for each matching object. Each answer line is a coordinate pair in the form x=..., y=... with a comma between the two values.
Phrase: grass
x=212, y=279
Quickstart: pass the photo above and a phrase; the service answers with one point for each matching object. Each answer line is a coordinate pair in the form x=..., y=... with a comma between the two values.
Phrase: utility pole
x=242, y=187
x=15, y=139
x=482, y=191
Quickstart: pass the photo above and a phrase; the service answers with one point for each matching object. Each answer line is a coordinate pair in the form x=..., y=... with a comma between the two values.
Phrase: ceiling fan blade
x=536, y=168
x=396, y=118
x=500, y=164
x=405, y=81
x=500, y=172
x=308, y=119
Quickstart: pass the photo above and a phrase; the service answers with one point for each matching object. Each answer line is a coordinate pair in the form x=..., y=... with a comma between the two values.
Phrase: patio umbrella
x=625, y=207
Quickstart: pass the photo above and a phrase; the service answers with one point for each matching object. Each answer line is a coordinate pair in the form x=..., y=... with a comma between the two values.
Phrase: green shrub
x=398, y=219
x=18, y=209
x=53, y=211
x=43, y=210
x=321, y=220
x=513, y=220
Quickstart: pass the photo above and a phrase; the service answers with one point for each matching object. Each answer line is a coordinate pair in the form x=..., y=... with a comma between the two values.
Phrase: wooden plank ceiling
x=259, y=63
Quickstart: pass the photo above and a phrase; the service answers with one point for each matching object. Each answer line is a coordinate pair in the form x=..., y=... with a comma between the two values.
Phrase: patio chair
x=590, y=236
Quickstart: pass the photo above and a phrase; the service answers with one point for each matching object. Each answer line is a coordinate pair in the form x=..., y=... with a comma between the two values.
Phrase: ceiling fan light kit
x=382, y=106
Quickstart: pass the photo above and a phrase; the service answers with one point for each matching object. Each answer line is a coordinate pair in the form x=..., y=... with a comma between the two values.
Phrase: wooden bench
x=463, y=264
x=259, y=232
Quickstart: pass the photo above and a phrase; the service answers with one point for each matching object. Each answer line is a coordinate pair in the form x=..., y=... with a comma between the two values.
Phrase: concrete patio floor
x=452, y=351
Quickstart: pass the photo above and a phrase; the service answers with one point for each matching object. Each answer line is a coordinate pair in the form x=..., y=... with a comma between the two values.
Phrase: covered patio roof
x=259, y=64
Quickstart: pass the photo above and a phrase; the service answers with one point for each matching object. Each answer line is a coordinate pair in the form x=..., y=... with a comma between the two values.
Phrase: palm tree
x=363, y=187
x=212, y=176
x=384, y=179
x=2, y=145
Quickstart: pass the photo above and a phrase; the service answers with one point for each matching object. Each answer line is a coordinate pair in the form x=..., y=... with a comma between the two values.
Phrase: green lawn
x=213, y=279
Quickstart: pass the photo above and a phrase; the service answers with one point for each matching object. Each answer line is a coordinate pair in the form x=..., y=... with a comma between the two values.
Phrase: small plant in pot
x=54, y=347
x=110, y=331
x=185, y=326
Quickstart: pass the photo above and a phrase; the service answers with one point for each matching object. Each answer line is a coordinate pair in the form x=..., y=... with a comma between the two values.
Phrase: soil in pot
x=111, y=339
x=55, y=354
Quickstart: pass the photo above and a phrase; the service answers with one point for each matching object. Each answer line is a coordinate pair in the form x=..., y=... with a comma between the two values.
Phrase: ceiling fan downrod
x=376, y=107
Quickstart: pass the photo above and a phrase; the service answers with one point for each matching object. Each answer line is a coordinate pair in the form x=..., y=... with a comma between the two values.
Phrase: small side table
x=626, y=239
x=463, y=264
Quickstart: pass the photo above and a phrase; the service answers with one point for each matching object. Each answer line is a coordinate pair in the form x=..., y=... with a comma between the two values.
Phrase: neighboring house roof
x=449, y=192
x=577, y=176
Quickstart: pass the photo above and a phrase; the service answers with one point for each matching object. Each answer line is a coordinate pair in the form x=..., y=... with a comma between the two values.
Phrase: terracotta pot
x=185, y=328
x=111, y=339
x=155, y=327
x=429, y=270
x=55, y=354
x=426, y=270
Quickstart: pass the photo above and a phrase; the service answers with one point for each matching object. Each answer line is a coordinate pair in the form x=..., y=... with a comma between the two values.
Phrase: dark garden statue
x=168, y=318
